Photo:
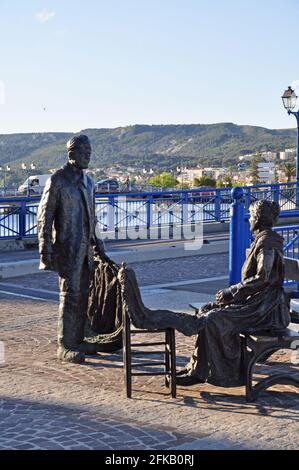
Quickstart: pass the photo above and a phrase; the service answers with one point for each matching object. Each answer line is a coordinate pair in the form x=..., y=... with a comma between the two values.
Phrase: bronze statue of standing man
x=66, y=230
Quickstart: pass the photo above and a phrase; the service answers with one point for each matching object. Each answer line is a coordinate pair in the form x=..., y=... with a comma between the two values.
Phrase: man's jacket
x=66, y=214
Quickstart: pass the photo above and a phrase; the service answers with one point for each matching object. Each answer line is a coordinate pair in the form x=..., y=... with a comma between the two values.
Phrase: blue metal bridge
x=116, y=212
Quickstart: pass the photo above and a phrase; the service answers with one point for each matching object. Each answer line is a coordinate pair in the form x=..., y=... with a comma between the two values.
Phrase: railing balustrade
x=116, y=212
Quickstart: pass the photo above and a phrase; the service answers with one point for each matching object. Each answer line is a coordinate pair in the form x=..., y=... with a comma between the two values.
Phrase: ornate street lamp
x=289, y=99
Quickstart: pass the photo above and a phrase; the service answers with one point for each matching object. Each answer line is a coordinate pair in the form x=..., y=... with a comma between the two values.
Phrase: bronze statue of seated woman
x=257, y=303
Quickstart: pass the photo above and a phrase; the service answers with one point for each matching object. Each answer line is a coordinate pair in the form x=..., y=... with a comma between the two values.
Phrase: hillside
x=162, y=146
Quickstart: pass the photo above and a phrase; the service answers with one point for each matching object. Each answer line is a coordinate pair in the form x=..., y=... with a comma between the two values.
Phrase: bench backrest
x=291, y=267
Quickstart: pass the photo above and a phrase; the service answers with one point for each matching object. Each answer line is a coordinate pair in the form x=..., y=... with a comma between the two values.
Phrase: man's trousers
x=74, y=289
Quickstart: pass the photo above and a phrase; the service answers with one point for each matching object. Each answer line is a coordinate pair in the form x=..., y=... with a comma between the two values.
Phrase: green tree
x=164, y=180
x=225, y=182
x=204, y=181
x=183, y=185
x=289, y=170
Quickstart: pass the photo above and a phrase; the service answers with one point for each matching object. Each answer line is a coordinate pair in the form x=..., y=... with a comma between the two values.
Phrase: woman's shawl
x=113, y=292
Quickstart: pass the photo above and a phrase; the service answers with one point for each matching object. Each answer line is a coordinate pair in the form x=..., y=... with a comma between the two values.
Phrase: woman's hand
x=224, y=296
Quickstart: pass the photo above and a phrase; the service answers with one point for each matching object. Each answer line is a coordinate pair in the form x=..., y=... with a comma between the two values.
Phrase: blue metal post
x=218, y=205
x=237, y=236
x=149, y=214
x=276, y=192
x=296, y=114
x=149, y=210
x=22, y=219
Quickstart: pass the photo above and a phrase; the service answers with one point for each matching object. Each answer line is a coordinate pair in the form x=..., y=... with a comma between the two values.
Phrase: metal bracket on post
x=237, y=236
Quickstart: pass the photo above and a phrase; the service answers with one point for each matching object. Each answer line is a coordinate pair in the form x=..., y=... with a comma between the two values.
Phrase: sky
x=67, y=65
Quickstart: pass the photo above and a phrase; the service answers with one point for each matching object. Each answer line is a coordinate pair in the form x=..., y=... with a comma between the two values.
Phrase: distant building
x=266, y=172
x=268, y=156
x=288, y=154
x=210, y=172
x=246, y=158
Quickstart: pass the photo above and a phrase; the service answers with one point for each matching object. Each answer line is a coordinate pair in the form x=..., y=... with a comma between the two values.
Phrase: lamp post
x=289, y=99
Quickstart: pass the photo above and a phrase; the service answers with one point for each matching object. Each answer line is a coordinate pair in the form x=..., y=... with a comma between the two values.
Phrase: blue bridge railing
x=117, y=212
x=241, y=236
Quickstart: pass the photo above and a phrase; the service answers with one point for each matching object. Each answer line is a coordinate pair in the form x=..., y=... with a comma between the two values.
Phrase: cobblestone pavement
x=48, y=405
x=147, y=272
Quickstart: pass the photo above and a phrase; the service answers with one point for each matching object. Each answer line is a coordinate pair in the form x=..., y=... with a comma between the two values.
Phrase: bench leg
x=252, y=392
x=167, y=358
x=173, y=362
x=127, y=354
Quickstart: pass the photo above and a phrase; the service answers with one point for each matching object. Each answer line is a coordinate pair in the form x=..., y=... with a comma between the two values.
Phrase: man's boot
x=70, y=332
x=70, y=355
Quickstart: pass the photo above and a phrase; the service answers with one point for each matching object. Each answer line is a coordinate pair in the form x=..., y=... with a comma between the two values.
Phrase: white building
x=266, y=172
x=192, y=173
x=268, y=156
x=288, y=154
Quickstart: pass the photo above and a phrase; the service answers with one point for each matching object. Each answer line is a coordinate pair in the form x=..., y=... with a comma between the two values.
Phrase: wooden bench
x=260, y=345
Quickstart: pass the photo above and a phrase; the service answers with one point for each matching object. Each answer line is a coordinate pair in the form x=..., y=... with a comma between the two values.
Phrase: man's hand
x=47, y=261
x=99, y=249
x=224, y=296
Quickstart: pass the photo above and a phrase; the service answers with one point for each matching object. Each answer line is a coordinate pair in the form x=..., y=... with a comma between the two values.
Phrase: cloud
x=44, y=16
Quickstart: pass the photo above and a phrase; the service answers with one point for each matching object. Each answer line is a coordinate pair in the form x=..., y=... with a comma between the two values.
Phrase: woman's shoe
x=188, y=380
x=184, y=371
